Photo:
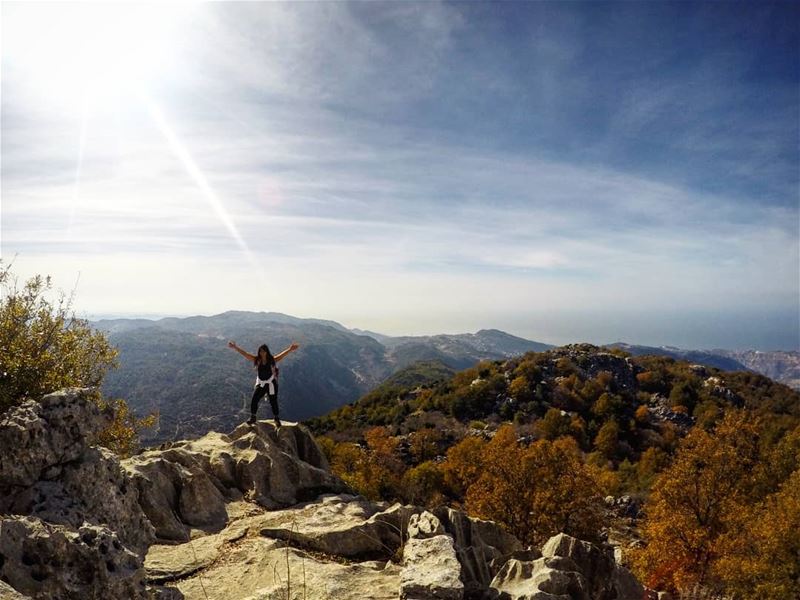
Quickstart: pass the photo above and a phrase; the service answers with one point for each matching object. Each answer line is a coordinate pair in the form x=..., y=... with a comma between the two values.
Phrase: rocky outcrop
x=660, y=411
x=9, y=593
x=53, y=433
x=592, y=361
x=187, y=484
x=71, y=525
x=252, y=514
x=568, y=569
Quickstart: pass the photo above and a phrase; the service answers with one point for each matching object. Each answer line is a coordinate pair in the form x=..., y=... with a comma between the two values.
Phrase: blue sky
x=564, y=171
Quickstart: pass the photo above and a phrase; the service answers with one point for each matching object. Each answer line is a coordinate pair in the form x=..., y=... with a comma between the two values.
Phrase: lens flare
x=183, y=155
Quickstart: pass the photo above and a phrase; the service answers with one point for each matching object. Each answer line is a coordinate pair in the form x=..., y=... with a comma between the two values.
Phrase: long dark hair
x=270, y=358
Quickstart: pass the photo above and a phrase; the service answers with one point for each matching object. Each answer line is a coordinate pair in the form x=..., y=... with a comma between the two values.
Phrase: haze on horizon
x=561, y=171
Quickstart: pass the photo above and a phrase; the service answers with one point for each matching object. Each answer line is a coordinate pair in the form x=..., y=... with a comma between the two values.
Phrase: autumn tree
x=383, y=467
x=607, y=405
x=520, y=389
x=554, y=424
x=375, y=471
x=464, y=465
x=607, y=439
x=683, y=393
x=43, y=346
x=535, y=491
x=423, y=484
x=122, y=436
x=351, y=463
x=424, y=444
x=761, y=560
x=696, y=500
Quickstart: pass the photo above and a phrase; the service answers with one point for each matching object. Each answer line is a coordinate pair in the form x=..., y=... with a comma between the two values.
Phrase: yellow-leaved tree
x=701, y=497
x=536, y=491
x=44, y=347
x=761, y=560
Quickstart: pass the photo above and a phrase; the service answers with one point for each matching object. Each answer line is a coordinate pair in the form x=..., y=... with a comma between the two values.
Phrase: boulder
x=9, y=593
x=92, y=489
x=176, y=561
x=52, y=432
x=431, y=570
x=568, y=569
x=54, y=561
x=607, y=578
x=540, y=579
x=200, y=502
x=258, y=568
x=478, y=543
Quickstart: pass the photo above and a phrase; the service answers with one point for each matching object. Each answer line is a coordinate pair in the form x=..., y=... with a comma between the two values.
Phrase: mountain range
x=182, y=369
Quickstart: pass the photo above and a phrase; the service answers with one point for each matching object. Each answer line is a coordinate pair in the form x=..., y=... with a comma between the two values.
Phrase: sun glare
x=70, y=51
x=88, y=57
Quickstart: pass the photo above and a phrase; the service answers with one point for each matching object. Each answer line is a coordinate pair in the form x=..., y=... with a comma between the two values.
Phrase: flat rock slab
x=171, y=562
x=264, y=569
x=342, y=525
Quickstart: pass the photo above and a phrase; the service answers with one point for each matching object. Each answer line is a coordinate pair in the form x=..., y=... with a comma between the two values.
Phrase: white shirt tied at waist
x=270, y=382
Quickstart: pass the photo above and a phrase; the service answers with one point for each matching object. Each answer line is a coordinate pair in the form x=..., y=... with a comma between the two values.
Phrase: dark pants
x=259, y=393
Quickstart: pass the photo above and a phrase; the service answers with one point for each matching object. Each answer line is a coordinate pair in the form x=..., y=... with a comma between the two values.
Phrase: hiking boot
x=277, y=423
x=251, y=420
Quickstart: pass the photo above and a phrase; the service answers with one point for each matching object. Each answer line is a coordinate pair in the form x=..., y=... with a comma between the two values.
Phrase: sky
x=563, y=171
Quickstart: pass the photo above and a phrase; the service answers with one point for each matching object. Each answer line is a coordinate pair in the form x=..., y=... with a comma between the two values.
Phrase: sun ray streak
x=183, y=155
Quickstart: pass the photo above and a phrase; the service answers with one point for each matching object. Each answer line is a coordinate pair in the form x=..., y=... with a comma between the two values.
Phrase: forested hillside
x=680, y=465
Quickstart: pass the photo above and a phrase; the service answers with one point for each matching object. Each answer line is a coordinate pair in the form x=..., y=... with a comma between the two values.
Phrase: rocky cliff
x=252, y=514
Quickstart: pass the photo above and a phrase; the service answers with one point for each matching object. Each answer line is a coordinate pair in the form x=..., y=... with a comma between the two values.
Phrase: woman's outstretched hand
x=294, y=346
x=232, y=345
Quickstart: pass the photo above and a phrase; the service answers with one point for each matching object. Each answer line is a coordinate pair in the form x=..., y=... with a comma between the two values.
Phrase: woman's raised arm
x=247, y=355
x=289, y=350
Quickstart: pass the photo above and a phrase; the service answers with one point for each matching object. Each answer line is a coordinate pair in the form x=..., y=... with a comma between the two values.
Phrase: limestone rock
x=342, y=525
x=158, y=482
x=257, y=568
x=53, y=561
x=177, y=561
x=200, y=503
x=540, y=579
x=54, y=431
x=92, y=489
x=9, y=593
x=478, y=543
x=189, y=482
x=570, y=569
x=431, y=570
x=71, y=524
x=424, y=525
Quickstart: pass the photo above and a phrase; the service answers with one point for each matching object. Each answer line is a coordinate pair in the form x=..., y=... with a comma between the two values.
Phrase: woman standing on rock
x=267, y=378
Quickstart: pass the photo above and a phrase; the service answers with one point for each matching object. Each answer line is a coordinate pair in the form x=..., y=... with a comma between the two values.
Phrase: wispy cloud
x=387, y=161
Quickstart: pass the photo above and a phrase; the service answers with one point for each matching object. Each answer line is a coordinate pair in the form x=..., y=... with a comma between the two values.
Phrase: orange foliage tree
x=761, y=560
x=464, y=465
x=699, y=498
x=535, y=491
